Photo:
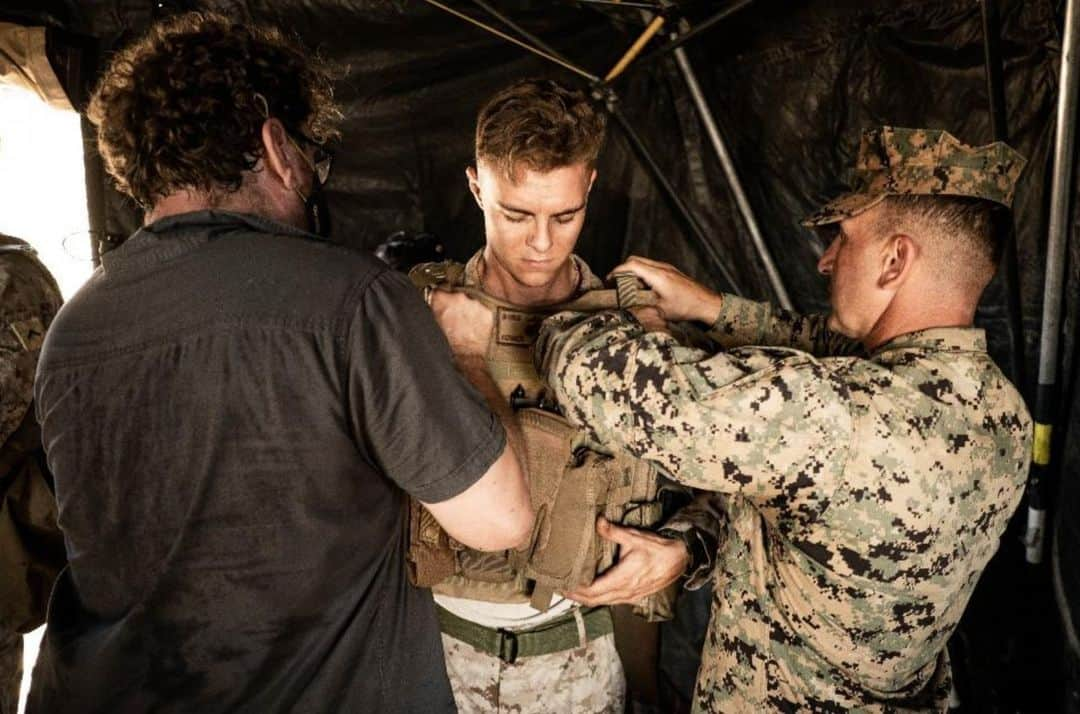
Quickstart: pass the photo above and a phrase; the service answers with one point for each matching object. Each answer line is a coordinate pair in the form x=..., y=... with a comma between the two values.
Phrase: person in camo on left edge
x=857, y=498
x=536, y=148
x=31, y=545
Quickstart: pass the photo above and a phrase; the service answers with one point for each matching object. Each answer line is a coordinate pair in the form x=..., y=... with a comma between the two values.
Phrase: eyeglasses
x=322, y=158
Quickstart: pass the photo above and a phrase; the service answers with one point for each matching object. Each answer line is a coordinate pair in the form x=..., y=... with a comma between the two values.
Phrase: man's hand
x=647, y=563
x=679, y=296
x=651, y=319
x=467, y=323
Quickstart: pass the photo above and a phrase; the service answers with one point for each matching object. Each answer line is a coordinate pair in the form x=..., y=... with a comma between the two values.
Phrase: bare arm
x=495, y=513
x=492, y=514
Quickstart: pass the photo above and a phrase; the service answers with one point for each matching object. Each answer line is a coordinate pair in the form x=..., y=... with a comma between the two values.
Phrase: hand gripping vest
x=572, y=481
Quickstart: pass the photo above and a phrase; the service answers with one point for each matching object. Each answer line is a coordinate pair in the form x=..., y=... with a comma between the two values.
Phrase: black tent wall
x=791, y=85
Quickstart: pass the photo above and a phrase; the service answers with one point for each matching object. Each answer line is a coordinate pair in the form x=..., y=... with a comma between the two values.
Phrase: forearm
x=720, y=422
x=740, y=322
x=616, y=381
x=701, y=525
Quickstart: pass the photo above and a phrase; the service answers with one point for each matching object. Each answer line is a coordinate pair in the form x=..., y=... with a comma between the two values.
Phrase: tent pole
x=635, y=49
x=1060, y=194
x=536, y=41
x=733, y=180
x=995, y=90
x=621, y=4
x=698, y=29
x=524, y=45
x=672, y=195
x=995, y=84
x=95, y=191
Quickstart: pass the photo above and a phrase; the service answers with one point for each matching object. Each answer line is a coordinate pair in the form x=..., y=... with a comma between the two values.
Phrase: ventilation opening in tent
x=43, y=184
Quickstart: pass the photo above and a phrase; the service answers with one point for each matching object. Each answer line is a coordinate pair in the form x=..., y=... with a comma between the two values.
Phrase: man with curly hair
x=235, y=409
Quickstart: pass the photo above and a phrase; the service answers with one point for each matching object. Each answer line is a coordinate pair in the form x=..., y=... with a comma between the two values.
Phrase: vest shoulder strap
x=437, y=275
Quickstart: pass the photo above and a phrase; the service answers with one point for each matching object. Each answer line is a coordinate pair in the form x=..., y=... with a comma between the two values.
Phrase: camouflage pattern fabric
x=31, y=547
x=896, y=161
x=29, y=299
x=585, y=680
x=582, y=681
x=11, y=655
x=860, y=499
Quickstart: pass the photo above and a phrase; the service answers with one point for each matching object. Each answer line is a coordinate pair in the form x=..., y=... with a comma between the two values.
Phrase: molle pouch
x=634, y=501
x=569, y=488
x=430, y=556
x=485, y=567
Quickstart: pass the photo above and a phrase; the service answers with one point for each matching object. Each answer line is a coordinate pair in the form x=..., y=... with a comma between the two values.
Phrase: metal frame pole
x=536, y=41
x=698, y=29
x=623, y=4
x=669, y=191
x=995, y=90
x=525, y=46
x=1060, y=195
x=732, y=175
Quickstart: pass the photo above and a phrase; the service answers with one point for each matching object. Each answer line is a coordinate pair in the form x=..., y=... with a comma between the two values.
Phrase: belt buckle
x=508, y=646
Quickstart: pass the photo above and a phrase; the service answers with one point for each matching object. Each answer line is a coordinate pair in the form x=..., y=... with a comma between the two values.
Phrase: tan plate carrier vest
x=572, y=481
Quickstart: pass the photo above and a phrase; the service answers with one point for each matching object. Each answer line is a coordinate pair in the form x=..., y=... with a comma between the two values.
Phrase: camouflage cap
x=894, y=161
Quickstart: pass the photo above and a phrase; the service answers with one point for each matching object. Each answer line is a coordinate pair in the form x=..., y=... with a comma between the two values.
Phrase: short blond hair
x=539, y=124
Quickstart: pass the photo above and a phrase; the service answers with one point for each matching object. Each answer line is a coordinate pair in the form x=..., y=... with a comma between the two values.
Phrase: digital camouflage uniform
x=31, y=548
x=584, y=679
x=856, y=499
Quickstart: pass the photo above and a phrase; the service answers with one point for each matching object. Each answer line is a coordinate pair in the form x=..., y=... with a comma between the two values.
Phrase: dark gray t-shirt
x=234, y=410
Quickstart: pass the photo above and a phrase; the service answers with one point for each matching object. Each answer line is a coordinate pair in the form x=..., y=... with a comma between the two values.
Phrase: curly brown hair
x=180, y=108
x=540, y=124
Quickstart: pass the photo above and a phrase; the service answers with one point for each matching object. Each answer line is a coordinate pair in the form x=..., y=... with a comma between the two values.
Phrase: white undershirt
x=514, y=616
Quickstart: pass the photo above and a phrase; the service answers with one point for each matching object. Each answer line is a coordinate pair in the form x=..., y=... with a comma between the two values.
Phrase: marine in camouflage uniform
x=31, y=547
x=587, y=677
x=856, y=499
x=513, y=641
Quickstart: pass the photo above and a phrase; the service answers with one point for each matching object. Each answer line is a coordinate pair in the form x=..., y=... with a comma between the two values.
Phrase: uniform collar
x=937, y=339
x=217, y=218
x=173, y=236
x=589, y=281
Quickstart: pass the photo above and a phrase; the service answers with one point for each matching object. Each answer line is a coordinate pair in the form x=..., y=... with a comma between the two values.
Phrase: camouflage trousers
x=585, y=680
x=11, y=655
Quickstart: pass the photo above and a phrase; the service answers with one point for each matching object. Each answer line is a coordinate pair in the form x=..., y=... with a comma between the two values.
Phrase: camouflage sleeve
x=705, y=520
x=771, y=424
x=743, y=322
x=29, y=300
